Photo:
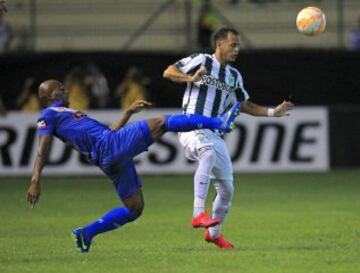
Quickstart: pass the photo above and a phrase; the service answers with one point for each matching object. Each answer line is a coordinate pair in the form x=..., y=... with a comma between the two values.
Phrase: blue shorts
x=119, y=149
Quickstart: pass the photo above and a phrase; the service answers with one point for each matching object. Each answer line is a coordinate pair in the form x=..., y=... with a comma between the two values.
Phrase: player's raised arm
x=136, y=107
x=254, y=109
x=176, y=75
x=33, y=193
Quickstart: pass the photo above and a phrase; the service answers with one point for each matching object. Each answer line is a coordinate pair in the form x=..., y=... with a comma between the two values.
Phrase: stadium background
x=319, y=74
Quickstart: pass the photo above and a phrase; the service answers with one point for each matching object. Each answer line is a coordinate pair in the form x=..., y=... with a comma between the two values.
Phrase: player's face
x=230, y=47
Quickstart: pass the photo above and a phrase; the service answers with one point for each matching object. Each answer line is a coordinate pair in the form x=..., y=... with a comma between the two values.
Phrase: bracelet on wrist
x=270, y=112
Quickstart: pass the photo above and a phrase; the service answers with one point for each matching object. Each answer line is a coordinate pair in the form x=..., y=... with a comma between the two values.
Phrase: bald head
x=50, y=91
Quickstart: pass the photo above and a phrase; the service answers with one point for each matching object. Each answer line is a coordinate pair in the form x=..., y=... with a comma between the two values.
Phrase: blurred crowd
x=5, y=30
x=88, y=89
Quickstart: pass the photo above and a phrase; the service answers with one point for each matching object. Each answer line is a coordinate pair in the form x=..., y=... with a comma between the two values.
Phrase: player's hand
x=138, y=106
x=198, y=74
x=33, y=194
x=283, y=108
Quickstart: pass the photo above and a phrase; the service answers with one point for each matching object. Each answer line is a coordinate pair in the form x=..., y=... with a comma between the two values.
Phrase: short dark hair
x=222, y=34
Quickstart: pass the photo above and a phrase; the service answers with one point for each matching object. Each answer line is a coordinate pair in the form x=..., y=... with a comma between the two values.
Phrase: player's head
x=52, y=90
x=227, y=44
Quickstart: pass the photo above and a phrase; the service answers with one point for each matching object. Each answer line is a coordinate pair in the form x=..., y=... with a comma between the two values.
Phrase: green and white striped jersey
x=215, y=92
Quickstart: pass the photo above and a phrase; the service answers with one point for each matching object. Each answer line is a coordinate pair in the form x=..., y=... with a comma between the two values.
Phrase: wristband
x=270, y=112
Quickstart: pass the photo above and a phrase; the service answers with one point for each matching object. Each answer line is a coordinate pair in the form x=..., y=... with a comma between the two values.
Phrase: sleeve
x=189, y=63
x=46, y=123
x=240, y=92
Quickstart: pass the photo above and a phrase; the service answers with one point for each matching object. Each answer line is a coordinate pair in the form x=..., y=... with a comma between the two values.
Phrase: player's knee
x=134, y=216
x=161, y=124
x=157, y=127
x=135, y=206
x=136, y=212
x=138, y=207
x=157, y=123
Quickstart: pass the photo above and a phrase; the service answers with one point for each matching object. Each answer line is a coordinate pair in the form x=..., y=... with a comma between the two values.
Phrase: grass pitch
x=278, y=223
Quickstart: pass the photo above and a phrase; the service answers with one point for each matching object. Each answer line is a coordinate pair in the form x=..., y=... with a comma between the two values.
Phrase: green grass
x=279, y=223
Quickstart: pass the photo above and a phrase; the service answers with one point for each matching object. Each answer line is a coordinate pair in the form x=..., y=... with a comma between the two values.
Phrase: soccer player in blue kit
x=112, y=148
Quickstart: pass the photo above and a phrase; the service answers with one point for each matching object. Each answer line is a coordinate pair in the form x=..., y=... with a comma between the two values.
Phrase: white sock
x=215, y=231
x=199, y=206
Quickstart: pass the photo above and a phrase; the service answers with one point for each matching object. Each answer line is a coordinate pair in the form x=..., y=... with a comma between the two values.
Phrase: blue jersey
x=73, y=127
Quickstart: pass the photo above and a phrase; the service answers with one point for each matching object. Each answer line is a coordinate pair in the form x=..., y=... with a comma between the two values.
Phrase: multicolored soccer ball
x=311, y=21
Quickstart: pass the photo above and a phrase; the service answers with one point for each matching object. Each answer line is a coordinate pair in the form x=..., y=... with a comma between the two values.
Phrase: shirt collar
x=58, y=103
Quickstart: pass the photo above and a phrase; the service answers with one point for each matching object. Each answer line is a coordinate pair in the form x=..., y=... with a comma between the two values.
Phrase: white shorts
x=195, y=140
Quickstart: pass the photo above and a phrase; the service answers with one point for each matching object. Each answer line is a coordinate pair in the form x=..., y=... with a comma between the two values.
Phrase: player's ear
x=217, y=43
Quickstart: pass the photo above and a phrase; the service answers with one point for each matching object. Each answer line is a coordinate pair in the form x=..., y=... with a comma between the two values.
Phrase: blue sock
x=184, y=123
x=112, y=220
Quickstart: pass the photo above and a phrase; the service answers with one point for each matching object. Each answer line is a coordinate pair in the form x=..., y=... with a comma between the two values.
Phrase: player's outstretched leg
x=111, y=220
x=184, y=123
x=115, y=218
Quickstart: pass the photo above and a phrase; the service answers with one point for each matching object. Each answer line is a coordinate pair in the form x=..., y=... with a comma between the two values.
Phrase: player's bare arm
x=136, y=107
x=176, y=75
x=33, y=193
x=254, y=109
x=283, y=108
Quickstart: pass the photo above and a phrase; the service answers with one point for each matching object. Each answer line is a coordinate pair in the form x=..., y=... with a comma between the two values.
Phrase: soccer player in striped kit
x=213, y=85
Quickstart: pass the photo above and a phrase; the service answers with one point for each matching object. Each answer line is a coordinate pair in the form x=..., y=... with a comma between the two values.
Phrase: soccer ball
x=311, y=21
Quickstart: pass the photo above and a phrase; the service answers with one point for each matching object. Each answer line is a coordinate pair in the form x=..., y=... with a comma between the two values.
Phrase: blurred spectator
x=3, y=109
x=207, y=23
x=28, y=101
x=99, y=89
x=77, y=85
x=354, y=42
x=132, y=88
x=87, y=86
x=5, y=30
x=233, y=2
x=265, y=1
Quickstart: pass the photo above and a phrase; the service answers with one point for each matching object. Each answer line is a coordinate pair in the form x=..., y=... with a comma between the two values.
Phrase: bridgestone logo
x=218, y=84
x=297, y=143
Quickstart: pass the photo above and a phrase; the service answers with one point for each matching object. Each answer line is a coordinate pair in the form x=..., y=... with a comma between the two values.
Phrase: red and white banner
x=299, y=142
